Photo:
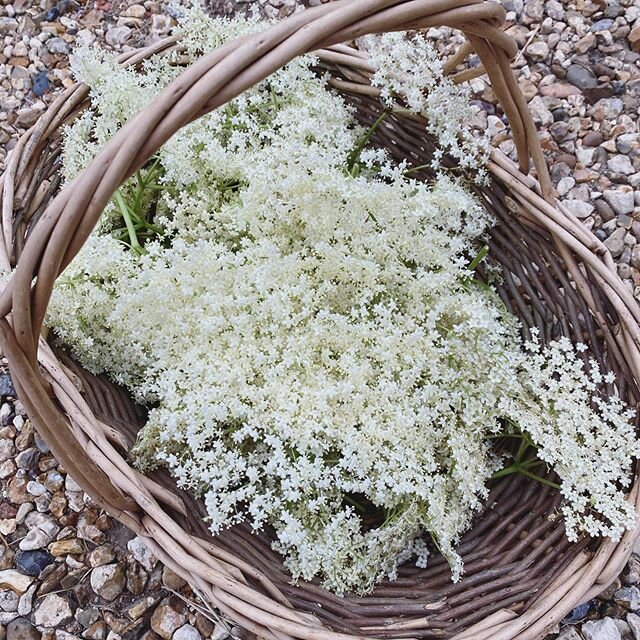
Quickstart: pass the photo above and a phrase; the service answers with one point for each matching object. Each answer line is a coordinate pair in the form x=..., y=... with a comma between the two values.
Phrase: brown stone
x=559, y=90
x=172, y=580
x=118, y=625
x=52, y=580
x=108, y=580
x=585, y=175
x=136, y=578
x=204, y=626
x=25, y=437
x=593, y=139
x=57, y=505
x=70, y=546
x=138, y=608
x=7, y=510
x=19, y=61
x=568, y=159
x=97, y=631
x=634, y=38
x=103, y=554
x=17, y=490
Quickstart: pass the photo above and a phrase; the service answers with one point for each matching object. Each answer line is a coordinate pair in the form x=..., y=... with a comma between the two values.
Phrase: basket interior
x=517, y=546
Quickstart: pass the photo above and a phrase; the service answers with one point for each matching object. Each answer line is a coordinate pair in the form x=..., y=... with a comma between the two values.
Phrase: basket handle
x=209, y=83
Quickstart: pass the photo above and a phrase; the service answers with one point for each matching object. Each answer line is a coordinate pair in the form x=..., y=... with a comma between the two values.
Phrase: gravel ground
x=66, y=569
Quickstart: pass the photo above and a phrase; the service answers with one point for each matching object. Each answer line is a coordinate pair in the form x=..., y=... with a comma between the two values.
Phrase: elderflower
x=410, y=67
x=311, y=343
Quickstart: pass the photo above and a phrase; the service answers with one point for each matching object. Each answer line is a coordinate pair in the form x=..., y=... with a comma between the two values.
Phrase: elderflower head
x=410, y=68
x=313, y=343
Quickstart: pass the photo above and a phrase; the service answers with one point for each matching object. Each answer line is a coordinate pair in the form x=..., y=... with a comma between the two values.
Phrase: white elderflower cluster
x=312, y=345
x=410, y=67
x=590, y=441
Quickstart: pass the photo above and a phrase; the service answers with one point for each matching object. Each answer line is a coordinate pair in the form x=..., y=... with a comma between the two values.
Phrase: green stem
x=479, y=258
x=420, y=166
x=352, y=162
x=533, y=476
x=517, y=468
x=522, y=449
x=126, y=214
x=505, y=472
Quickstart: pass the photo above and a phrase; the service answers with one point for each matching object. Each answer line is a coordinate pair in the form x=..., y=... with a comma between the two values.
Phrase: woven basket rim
x=87, y=447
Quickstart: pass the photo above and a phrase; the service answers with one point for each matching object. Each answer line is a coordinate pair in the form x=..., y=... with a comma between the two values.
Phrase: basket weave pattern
x=522, y=575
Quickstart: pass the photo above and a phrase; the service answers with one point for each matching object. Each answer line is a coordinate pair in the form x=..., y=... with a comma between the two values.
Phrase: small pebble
x=32, y=563
x=604, y=629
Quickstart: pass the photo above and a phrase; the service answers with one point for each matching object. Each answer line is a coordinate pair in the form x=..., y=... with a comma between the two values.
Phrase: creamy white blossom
x=309, y=341
x=409, y=67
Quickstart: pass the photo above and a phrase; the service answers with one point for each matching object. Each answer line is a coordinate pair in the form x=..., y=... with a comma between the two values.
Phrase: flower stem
x=126, y=214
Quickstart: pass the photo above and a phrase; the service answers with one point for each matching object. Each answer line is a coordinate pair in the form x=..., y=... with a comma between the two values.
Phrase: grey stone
x=6, y=617
x=621, y=200
x=117, y=36
x=632, y=571
x=604, y=629
x=35, y=539
x=586, y=155
x=602, y=25
x=539, y=111
x=27, y=116
x=9, y=600
x=579, y=208
x=554, y=10
x=621, y=164
x=615, y=242
x=581, y=77
x=569, y=633
x=7, y=449
x=624, y=270
x=25, y=605
x=560, y=131
x=71, y=485
x=33, y=562
x=565, y=185
x=538, y=50
x=53, y=611
x=627, y=141
x=86, y=617
x=535, y=9
x=57, y=46
x=22, y=629
x=6, y=384
x=628, y=597
x=28, y=458
x=633, y=620
x=8, y=25
x=187, y=632
x=610, y=107
x=141, y=553
x=623, y=628
x=36, y=488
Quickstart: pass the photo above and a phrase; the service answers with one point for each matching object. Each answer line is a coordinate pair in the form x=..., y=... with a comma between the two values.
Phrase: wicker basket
x=522, y=575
